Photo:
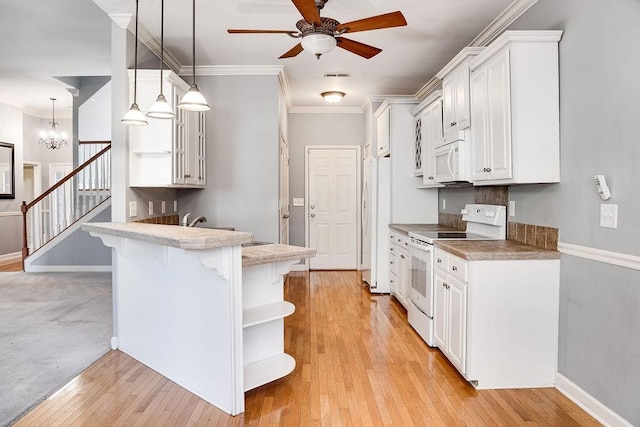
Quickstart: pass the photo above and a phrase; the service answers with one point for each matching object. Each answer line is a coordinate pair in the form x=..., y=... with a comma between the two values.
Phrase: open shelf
x=266, y=313
x=141, y=152
x=267, y=370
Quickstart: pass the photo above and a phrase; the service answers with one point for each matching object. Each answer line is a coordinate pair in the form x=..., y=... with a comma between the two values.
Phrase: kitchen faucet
x=185, y=220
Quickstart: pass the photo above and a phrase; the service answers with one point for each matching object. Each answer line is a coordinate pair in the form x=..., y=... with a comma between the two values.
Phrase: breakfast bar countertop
x=487, y=250
x=265, y=254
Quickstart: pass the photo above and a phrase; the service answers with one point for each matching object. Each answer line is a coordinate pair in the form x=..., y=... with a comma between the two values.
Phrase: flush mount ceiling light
x=161, y=108
x=193, y=100
x=332, y=96
x=134, y=116
x=53, y=139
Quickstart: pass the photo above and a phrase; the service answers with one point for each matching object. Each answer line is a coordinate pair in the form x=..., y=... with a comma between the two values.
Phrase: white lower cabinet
x=399, y=267
x=497, y=320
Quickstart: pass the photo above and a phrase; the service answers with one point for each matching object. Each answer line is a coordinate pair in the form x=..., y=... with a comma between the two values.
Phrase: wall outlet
x=609, y=216
x=163, y=207
x=512, y=208
x=175, y=206
x=298, y=201
x=133, y=209
x=150, y=208
x=444, y=204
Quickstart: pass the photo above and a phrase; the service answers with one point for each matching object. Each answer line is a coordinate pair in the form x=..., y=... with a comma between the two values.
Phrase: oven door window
x=419, y=275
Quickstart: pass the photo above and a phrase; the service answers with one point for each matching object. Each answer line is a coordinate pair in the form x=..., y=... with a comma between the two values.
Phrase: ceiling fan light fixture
x=193, y=100
x=333, y=96
x=318, y=43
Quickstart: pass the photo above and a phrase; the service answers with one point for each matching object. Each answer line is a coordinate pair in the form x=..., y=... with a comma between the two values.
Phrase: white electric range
x=484, y=222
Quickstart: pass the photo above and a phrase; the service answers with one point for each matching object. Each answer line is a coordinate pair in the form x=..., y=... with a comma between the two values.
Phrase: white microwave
x=452, y=162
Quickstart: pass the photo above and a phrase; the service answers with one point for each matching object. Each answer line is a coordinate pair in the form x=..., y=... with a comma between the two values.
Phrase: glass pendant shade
x=193, y=100
x=318, y=44
x=134, y=117
x=161, y=109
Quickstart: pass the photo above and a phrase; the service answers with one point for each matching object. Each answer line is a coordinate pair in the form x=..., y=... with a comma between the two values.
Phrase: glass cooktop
x=430, y=236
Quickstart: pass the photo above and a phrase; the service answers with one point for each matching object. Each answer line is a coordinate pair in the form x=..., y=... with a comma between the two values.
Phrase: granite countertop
x=408, y=228
x=485, y=250
x=171, y=235
x=265, y=254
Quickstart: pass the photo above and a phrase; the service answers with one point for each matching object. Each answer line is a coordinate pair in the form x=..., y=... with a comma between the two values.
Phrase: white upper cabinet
x=417, y=147
x=515, y=136
x=383, y=132
x=456, y=113
x=429, y=115
x=166, y=153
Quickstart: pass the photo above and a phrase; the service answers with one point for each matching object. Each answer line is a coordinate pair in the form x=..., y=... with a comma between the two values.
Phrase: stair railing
x=66, y=202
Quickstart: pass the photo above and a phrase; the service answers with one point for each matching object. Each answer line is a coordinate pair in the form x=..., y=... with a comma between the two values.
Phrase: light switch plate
x=512, y=208
x=175, y=206
x=163, y=207
x=608, y=216
x=444, y=204
x=298, y=201
x=133, y=209
x=150, y=208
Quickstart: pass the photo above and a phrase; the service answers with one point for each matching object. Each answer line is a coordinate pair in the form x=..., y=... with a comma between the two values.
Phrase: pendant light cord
x=161, y=42
x=135, y=61
x=194, y=42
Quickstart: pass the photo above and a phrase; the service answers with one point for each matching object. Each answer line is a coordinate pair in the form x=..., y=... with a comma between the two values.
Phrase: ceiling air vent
x=337, y=75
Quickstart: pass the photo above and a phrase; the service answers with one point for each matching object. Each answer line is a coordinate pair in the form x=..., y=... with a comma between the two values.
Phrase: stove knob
x=490, y=214
x=464, y=211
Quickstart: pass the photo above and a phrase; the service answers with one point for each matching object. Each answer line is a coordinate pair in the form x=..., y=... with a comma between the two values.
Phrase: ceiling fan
x=320, y=34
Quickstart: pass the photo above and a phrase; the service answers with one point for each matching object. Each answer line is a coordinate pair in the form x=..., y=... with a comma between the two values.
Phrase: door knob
x=312, y=206
x=312, y=215
x=286, y=216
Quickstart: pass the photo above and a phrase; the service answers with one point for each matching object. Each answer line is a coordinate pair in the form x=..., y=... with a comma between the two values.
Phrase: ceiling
x=42, y=38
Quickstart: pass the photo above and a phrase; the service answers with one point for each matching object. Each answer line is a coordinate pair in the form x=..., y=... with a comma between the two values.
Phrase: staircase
x=68, y=203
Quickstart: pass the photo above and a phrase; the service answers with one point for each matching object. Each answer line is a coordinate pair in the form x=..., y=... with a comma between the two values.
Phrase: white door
x=284, y=192
x=332, y=201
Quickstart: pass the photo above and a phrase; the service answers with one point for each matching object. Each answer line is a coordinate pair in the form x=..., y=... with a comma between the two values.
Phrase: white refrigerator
x=376, y=216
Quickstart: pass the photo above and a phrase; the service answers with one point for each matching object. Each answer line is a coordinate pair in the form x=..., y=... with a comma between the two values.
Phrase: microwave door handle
x=449, y=165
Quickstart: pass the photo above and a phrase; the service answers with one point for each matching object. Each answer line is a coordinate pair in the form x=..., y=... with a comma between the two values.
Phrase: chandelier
x=53, y=139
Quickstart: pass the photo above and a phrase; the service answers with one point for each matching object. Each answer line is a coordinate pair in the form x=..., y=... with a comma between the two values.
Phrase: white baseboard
x=299, y=267
x=590, y=404
x=67, y=268
x=10, y=258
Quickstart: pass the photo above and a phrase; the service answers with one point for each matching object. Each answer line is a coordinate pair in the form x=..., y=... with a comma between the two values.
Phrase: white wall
x=315, y=129
x=242, y=156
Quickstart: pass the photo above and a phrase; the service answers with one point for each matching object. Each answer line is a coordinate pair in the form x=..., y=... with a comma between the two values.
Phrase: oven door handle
x=422, y=248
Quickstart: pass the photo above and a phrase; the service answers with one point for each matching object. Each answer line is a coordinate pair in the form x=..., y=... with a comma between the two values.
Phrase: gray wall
x=11, y=131
x=242, y=156
x=315, y=129
x=599, y=345
x=80, y=248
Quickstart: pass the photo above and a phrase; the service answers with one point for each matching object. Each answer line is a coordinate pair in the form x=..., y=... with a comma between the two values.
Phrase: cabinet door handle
x=390, y=262
x=439, y=260
x=187, y=176
x=488, y=169
x=380, y=148
x=402, y=256
x=444, y=285
x=391, y=249
x=406, y=243
x=430, y=177
x=454, y=268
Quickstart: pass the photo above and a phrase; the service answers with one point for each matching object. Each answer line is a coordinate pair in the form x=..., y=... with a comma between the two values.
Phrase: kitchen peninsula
x=194, y=305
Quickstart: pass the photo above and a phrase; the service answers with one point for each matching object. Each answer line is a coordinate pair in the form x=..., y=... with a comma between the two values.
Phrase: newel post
x=25, y=246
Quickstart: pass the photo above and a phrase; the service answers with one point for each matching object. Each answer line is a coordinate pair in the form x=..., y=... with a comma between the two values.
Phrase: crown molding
x=514, y=11
x=430, y=87
x=122, y=20
x=234, y=70
x=153, y=45
x=326, y=110
x=366, y=104
x=433, y=96
x=466, y=54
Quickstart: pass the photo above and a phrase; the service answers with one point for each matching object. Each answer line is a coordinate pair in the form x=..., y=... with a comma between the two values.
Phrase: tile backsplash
x=536, y=235
x=166, y=220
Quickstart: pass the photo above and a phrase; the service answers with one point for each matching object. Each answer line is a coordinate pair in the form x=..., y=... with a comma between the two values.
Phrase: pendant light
x=193, y=100
x=161, y=108
x=134, y=116
x=53, y=139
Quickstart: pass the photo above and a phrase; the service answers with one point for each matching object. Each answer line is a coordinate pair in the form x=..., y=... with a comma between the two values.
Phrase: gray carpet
x=52, y=327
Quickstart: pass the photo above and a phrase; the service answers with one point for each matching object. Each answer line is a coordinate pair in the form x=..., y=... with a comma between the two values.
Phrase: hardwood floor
x=358, y=363
x=14, y=266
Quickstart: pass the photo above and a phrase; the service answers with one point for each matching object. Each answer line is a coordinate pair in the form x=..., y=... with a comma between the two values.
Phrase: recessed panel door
x=332, y=208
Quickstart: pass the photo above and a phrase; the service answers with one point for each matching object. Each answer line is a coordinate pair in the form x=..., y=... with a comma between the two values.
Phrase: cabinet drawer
x=403, y=242
x=441, y=261
x=393, y=263
x=393, y=236
x=458, y=268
